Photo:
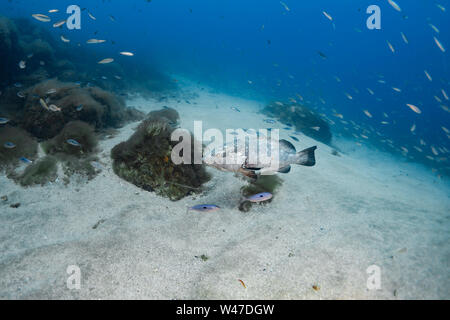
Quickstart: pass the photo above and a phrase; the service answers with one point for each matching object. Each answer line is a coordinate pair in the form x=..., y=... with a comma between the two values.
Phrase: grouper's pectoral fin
x=248, y=173
x=286, y=169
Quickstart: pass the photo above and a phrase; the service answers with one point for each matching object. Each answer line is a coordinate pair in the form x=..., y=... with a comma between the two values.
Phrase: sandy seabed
x=325, y=227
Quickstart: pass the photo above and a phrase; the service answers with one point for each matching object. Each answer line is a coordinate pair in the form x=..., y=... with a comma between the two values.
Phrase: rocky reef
x=97, y=107
x=304, y=119
x=145, y=159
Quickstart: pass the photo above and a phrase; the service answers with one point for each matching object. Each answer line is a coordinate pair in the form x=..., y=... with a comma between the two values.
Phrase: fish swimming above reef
x=73, y=142
x=236, y=156
x=9, y=145
x=3, y=121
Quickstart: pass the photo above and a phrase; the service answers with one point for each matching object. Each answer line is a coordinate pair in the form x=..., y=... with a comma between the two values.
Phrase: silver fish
x=260, y=197
x=235, y=157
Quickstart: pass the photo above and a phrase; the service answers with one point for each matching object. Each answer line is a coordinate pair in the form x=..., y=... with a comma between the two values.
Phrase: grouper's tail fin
x=307, y=157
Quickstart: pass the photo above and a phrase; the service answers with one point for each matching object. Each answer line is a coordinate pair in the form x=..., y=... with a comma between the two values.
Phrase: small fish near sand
x=21, y=95
x=204, y=208
x=235, y=109
x=260, y=197
x=294, y=138
x=73, y=142
x=3, y=121
x=9, y=145
x=26, y=160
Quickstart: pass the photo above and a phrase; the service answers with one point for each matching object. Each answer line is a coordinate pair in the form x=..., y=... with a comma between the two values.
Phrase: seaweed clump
x=79, y=131
x=25, y=147
x=304, y=119
x=99, y=108
x=75, y=158
x=145, y=159
x=39, y=173
x=264, y=183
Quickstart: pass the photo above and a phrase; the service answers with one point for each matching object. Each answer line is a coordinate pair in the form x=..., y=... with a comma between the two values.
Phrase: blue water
x=226, y=44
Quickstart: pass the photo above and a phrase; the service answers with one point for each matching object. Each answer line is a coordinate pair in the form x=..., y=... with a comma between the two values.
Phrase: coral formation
x=75, y=159
x=56, y=93
x=25, y=146
x=304, y=119
x=79, y=131
x=93, y=105
x=39, y=173
x=145, y=159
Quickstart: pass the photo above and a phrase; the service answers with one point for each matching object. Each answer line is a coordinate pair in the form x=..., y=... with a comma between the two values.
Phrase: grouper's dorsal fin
x=287, y=145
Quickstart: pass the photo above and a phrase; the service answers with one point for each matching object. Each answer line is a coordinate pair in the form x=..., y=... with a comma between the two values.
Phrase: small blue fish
x=205, y=208
x=235, y=109
x=3, y=121
x=294, y=138
x=18, y=85
x=73, y=143
x=79, y=108
x=260, y=197
x=25, y=160
x=269, y=121
x=287, y=128
x=9, y=145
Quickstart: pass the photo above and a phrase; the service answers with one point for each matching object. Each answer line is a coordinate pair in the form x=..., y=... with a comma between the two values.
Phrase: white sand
x=325, y=227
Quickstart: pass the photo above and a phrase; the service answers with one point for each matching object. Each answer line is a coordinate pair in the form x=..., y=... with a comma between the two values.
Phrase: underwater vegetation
x=75, y=146
x=264, y=183
x=144, y=159
x=304, y=119
x=92, y=105
x=21, y=145
x=41, y=172
x=78, y=131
